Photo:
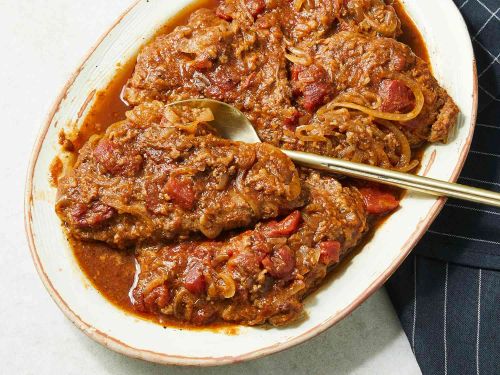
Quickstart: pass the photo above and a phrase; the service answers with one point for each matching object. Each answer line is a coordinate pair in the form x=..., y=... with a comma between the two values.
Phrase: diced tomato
x=194, y=281
x=158, y=297
x=221, y=12
x=115, y=159
x=249, y=261
x=181, y=192
x=103, y=150
x=256, y=7
x=292, y=121
x=313, y=84
x=259, y=243
x=91, y=215
x=281, y=263
x=329, y=252
x=314, y=95
x=267, y=263
x=396, y=96
x=378, y=201
x=285, y=227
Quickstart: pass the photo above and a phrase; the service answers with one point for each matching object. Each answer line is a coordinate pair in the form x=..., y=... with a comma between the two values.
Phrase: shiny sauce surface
x=112, y=271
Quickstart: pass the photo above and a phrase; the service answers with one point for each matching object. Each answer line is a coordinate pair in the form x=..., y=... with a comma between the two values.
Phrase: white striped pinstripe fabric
x=450, y=308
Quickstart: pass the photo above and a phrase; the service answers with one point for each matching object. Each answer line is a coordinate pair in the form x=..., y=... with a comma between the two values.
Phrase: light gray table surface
x=42, y=42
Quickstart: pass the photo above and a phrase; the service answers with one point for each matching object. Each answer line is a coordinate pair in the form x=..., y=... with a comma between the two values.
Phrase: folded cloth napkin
x=447, y=293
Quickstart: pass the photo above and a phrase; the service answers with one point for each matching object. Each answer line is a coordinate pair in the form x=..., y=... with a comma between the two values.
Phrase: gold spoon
x=233, y=124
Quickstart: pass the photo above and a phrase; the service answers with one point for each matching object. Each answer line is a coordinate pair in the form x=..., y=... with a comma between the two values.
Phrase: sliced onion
x=419, y=104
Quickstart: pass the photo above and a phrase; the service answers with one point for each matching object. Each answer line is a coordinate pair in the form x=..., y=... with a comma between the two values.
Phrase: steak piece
x=348, y=135
x=303, y=22
x=173, y=65
x=370, y=17
x=164, y=174
x=360, y=65
x=261, y=275
x=243, y=65
x=260, y=57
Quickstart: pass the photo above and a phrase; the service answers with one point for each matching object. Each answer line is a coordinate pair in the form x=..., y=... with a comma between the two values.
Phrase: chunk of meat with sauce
x=244, y=50
x=247, y=68
x=256, y=277
x=349, y=135
x=357, y=64
x=304, y=22
x=187, y=181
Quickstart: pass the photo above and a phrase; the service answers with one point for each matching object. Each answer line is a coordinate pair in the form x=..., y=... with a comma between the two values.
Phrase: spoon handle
x=389, y=177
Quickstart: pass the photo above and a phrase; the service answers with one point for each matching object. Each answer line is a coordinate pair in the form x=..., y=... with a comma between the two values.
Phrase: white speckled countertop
x=42, y=42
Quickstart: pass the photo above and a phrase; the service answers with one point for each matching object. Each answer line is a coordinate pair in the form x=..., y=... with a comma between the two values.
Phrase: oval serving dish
x=453, y=65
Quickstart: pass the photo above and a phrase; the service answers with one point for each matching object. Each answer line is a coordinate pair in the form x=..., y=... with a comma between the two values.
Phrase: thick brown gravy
x=111, y=271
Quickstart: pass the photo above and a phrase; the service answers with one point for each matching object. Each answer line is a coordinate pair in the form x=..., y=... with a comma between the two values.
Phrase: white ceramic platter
x=453, y=63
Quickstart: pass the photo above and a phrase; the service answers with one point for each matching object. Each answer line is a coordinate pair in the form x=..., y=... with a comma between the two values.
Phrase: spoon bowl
x=229, y=121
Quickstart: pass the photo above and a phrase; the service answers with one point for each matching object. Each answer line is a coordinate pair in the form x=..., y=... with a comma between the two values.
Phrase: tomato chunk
x=378, y=201
x=296, y=70
x=94, y=214
x=181, y=192
x=281, y=263
x=291, y=122
x=285, y=227
x=246, y=262
x=194, y=281
x=314, y=95
x=116, y=159
x=313, y=84
x=158, y=297
x=396, y=96
x=259, y=244
x=256, y=7
x=329, y=252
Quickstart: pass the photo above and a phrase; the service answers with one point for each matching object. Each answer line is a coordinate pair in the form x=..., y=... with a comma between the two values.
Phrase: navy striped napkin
x=447, y=293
